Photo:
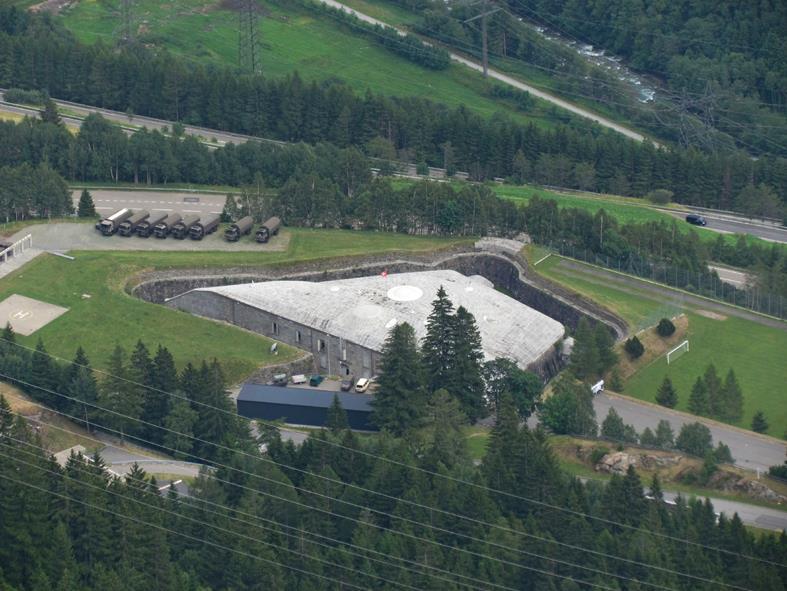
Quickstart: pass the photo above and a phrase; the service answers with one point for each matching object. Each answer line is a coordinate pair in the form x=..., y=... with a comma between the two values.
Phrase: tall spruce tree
x=45, y=377
x=665, y=436
x=438, y=348
x=607, y=358
x=667, y=396
x=121, y=400
x=336, y=421
x=613, y=426
x=698, y=401
x=465, y=378
x=713, y=388
x=730, y=407
x=585, y=359
x=759, y=423
x=86, y=207
x=569, y=410
x=400, y=400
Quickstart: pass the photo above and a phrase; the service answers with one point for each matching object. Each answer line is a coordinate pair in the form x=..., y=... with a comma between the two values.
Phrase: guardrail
x=18, y=246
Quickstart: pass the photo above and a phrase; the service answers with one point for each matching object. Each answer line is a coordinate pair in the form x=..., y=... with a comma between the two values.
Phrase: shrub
x=695, y=439
x=665, y=328
x=597, y=454
x=660, y=196
x=25, y=97
x=634, y=348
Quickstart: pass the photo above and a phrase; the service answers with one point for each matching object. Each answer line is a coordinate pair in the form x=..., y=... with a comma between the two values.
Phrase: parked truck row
x=161, y=224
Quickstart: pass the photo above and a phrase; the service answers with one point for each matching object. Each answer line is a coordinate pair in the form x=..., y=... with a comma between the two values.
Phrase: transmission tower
x=487, y=10
x=249, y=47
x=126, y=33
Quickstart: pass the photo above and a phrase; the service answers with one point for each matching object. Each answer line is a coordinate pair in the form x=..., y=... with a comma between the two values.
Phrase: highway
x=732, y=224
x=109, y=200
x=731, y=276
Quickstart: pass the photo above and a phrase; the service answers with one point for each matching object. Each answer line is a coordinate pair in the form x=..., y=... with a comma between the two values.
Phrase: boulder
x=616, y=463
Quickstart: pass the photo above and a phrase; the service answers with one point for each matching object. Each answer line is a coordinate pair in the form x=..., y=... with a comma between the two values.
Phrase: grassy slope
x=110, y=316
x=755, y=352
x=293, y=39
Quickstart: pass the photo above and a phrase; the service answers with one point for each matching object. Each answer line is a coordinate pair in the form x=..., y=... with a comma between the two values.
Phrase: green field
x=110, y=316
x=754, y=351
x=293, y=39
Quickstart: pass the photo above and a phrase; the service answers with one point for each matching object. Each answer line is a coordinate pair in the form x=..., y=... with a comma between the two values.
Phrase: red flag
x=384, y=273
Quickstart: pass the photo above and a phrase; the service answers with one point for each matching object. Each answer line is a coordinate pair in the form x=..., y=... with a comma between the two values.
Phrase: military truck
x=240, y=228
x=269, y=229
x=145, y=227
x=110, y=225
x=181, y=229
x=128, y=227
x=205, y=226
x=164, y=227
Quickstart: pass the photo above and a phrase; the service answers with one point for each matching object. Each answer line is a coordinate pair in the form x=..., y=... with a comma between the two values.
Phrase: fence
x=16, y=248
x=700, y=282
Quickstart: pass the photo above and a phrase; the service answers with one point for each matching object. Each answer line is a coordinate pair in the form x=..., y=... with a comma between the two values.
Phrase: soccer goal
x=677, y=352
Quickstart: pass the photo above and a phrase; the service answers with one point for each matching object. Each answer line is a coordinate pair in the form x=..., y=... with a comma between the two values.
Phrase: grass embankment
x=110, y=316
x=755, y=352
x=294, y=39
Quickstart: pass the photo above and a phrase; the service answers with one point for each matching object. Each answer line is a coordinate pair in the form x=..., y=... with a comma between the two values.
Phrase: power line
x=177, y=533
x=346, y=448
x=341, y=483
x=383, y=513
x=341, y=544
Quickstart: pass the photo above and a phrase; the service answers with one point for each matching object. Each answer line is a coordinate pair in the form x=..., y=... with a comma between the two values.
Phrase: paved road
x=121, y=460
x=472, y=64
x=107, y=200
x=762, y=517
x=732, y=224
x=751, y=451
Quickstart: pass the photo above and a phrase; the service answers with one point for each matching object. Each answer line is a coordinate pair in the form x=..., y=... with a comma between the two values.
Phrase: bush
x=778, y=471
x=665, y=328
x=660, y=196
x=634, y=348
x=695, y=439
x=25, y=97
x=597, y=454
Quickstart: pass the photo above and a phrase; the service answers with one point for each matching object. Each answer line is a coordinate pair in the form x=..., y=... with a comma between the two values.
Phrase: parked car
x=362, y=385
x=280, y=379
x=697, y=220
x=347, y=384
x=316, y=380
x=299, y=379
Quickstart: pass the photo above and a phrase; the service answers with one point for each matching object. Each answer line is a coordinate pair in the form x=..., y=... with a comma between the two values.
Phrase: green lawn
x=755, y=352
x=110, y=316
x=314, y=44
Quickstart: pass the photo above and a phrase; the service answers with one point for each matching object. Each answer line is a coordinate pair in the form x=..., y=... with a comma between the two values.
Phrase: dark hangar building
x=299, y=406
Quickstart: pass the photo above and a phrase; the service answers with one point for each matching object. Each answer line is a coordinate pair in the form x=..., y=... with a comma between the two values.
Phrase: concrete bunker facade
x=344, y=322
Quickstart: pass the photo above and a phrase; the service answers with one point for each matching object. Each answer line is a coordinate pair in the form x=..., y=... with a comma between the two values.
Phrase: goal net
x=677, y=352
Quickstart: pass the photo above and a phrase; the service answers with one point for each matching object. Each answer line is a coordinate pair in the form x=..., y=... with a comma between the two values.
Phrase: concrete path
x=506, y=79
x=21, y=259
x=754, y=515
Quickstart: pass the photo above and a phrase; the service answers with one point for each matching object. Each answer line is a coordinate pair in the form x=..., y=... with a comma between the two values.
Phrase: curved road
x=473, y=65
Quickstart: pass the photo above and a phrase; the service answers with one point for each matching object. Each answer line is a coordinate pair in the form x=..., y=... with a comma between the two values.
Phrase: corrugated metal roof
x=303, y=397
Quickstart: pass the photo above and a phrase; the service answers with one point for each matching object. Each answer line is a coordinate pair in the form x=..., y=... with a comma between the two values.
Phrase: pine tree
x=6, y=417
x=336, y=421
x=400, y=400
x=122, y=401
x=713, y=389
x=438, y=348
x=698, y=401
x=730, y=406
x=84, y=390
x=612, y=427
x=648, y=438
x=758, y=423
x=585, y=358
x=179, y=423
x=667, y=396
x=465, y=381
x=569, y=410
x=50, y=114
x=86, y=207
x=665, y=436
x=605, y=346
x=44, y=376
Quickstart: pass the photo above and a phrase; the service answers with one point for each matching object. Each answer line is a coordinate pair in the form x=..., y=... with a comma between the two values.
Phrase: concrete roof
x=364, y=309
x=303, y=397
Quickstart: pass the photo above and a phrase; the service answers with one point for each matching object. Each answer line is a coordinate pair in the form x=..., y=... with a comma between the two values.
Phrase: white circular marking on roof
x=368, y=311
x=405, y=293
x=335, y=288
x=469, y=288
x=391, y=323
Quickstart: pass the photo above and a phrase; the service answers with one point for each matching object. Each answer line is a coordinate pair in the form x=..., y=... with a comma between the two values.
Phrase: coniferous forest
x=341, y=511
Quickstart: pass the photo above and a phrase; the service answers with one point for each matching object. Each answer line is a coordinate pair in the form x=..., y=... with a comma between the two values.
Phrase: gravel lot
x=66, y=236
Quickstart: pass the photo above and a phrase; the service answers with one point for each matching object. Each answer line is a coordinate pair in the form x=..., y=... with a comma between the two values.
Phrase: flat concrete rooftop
x=363, y=310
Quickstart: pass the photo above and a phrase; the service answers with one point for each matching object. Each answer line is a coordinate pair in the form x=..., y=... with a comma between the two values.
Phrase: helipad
x=27, y=315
